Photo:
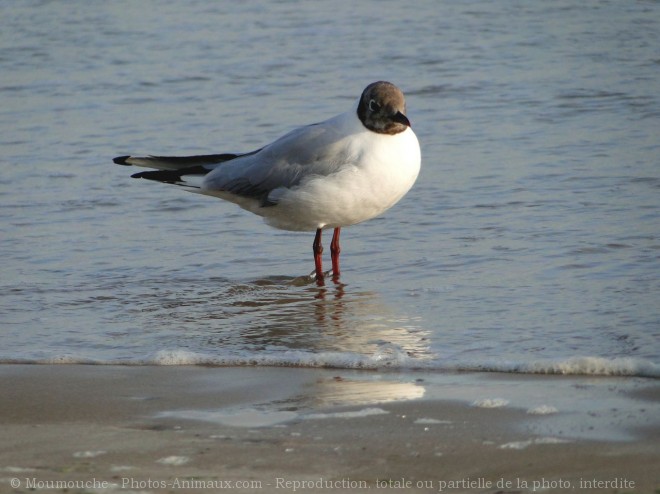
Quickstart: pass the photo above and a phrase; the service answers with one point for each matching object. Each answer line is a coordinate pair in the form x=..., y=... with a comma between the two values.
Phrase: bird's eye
x=373, y=106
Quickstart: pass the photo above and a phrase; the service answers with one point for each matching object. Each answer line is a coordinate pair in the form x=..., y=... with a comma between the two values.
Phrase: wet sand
x=82, y=428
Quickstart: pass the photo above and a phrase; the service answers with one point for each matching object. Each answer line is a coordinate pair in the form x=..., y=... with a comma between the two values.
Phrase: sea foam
x=391, y=360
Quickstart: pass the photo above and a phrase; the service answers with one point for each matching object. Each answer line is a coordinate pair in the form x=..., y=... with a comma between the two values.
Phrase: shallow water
x=530, y=242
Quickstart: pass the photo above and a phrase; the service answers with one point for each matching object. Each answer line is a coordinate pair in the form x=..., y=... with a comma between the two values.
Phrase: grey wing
x=304, y=152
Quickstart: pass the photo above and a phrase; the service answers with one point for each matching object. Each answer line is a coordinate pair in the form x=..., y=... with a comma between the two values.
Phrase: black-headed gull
x=331, y=174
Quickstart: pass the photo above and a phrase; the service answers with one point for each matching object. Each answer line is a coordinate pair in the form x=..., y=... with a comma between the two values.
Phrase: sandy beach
x=83, y=428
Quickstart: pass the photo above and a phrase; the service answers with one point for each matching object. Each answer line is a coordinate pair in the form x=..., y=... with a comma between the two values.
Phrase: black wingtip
x=166, y=176
x=121, y=160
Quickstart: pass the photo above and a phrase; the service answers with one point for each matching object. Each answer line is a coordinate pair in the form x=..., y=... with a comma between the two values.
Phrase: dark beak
x=401, y=118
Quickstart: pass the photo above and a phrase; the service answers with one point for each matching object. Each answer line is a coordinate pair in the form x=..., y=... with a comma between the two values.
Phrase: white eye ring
x=373, y=106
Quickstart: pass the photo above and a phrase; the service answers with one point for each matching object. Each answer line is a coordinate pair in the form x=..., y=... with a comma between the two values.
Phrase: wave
x=392, y=360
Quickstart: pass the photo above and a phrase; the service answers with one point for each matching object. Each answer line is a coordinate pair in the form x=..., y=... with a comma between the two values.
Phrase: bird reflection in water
x=266, y=318
x=331, y=319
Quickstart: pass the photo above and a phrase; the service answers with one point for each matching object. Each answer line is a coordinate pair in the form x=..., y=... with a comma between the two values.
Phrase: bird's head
x=382, y=108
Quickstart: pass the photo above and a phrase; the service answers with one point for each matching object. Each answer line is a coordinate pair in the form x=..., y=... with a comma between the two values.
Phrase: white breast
x=380, y=171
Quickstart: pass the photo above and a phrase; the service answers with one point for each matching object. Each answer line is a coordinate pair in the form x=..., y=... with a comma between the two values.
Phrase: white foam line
x=585, y=365
x=174, y=460
x=542, y=410
x=490, y=403
x=365, y=412
x=539, y=440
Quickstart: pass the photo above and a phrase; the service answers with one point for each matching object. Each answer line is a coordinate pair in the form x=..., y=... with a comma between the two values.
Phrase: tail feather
x=175, y=162
x=186, y=171
x=186, y=177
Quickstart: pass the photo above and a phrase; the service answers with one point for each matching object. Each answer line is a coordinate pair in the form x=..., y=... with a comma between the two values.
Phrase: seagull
x=327, y=175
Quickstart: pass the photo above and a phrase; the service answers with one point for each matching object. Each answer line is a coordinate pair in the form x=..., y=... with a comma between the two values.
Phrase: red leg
x=318, y=260
x=334, y=253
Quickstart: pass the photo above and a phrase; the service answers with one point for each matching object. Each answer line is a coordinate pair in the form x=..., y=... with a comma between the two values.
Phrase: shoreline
x=152, y=429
